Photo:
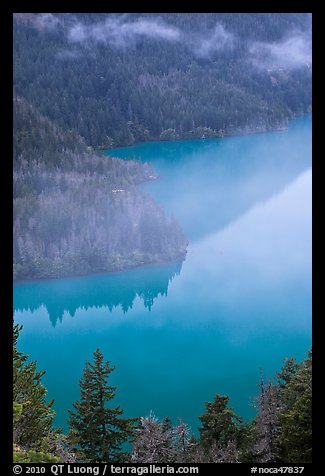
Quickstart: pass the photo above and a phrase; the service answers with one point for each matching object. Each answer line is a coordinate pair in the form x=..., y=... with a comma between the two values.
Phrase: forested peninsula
x=77, y=212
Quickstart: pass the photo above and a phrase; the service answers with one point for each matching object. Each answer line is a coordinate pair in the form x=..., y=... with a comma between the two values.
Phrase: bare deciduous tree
x=160, y=442
x=267, y=421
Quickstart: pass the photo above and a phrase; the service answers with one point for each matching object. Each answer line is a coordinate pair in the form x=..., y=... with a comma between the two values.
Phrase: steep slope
x=76, y=212
x=121, y=78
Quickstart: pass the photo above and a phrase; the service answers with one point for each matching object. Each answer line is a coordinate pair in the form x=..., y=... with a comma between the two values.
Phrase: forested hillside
x=77, y=212
x=121, y=78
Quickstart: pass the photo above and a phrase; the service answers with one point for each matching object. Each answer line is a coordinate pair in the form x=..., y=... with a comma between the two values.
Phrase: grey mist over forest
x=291, y=51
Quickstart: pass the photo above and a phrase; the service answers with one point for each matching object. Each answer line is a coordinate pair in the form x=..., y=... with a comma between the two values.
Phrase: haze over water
x=179, y=333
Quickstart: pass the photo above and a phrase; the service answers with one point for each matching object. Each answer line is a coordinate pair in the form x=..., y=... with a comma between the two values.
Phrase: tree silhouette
x=98, y=432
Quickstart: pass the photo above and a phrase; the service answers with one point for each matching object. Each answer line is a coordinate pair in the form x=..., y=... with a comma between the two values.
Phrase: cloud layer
x=41, y=21
x=122, y=31
x=218, y=40
x=293, y=52
x=118, y=32
x=49, y=21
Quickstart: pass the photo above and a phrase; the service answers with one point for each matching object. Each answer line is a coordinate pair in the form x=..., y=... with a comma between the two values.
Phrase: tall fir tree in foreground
x=295, y=433
x=219, y=434
x=98, y=432
x=34, y=438
x=219, y=423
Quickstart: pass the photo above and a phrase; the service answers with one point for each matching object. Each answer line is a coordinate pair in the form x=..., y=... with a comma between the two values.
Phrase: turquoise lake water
x=180, y=332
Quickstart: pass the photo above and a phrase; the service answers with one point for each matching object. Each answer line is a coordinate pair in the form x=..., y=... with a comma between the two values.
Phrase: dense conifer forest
x=119, y=79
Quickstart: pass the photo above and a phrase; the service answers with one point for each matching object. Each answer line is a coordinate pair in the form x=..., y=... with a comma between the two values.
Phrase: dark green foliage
x=288, y=371
x=98, y=431
x=32, y=456
x=36, y=138
x=33, y=415
x=282, y=429
x=281, y=432
x=35, y=440
x=220, y=424
x=296, y=419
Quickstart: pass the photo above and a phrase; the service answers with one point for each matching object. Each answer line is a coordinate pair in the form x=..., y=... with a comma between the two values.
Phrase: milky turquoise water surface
x=180, y=332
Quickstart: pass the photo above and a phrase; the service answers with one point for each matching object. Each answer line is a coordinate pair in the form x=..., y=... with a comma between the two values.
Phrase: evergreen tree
x=296, y=419
x=33, y=416
x=220, y=424
x=98, y=432
x=288, y=371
